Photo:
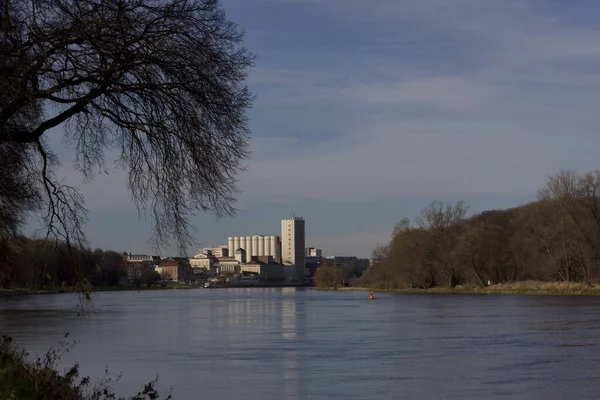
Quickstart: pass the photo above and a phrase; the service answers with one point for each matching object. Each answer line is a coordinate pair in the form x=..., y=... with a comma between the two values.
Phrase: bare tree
x=159, y=82
x=442, y=223
x=575, y=202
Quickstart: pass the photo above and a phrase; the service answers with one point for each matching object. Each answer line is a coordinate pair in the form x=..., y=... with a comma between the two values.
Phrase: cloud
x=360, y=102
x=496, y=123
x=440, y=92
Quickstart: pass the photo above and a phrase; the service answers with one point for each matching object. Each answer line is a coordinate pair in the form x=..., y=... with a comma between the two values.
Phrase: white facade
x=256, y=245
x=275, y=247
x=204, y=259
x=261, y=245
x=249, y=246
x=292, y=244
x=138, y=258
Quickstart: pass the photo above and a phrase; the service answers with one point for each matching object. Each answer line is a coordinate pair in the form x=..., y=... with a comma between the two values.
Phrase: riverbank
x=524, y=287
x=72, y=289
x=22, y=379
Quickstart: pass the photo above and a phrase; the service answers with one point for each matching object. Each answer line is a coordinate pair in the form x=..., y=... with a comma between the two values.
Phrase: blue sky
x=366, y=111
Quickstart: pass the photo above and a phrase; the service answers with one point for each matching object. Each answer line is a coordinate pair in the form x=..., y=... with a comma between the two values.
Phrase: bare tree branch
x=160, y=82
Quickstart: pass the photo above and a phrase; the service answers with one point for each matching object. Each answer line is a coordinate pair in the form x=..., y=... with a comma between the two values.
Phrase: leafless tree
x=160, y=82
x=442, y=223
x=575, y=203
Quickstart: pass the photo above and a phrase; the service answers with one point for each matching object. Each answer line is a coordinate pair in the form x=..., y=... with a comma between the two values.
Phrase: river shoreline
x=25, y=291
x=522, y=288
x=59, y=290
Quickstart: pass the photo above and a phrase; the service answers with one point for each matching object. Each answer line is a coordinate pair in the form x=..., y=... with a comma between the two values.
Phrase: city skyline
x=376, y=111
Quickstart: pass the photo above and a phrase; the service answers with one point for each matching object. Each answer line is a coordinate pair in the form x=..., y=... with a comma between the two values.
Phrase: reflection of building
x=292, y=245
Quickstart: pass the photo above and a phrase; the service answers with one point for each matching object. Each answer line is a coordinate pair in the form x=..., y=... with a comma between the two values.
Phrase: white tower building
x=232, y=249
x=292, y=244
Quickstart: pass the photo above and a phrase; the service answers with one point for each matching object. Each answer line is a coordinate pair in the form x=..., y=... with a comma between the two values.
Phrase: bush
x=23, y=379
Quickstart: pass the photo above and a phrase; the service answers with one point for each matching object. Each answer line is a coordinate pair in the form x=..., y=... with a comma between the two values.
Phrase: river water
x=306, y=344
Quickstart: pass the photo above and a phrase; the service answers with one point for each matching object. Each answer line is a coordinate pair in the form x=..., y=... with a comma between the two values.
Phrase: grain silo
x=249, y=247
x=261, y=245
x=255, y=245
x=230, y=245
x=268, y=246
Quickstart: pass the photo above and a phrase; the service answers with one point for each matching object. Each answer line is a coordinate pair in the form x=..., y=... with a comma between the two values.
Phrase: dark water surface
x=306, y=344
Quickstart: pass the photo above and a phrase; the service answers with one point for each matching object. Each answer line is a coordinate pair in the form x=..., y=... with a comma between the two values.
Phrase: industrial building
x=312, y=252
x=287, y=249
x=265, y=268
x=256, y=246
x=292, y=246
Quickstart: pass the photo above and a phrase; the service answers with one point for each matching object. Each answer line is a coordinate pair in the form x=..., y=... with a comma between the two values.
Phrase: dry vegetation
x=548, y=246
x=22, y=379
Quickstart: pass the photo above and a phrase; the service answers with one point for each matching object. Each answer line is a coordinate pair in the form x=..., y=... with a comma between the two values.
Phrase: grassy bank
x=69, y=289
x=525, y=287
x=21, y=379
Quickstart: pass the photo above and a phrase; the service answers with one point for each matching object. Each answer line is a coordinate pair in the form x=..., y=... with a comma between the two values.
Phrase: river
x=287, y=343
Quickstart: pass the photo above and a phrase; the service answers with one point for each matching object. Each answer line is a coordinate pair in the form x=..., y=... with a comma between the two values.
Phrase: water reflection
x=290, y=352
x=296, y=344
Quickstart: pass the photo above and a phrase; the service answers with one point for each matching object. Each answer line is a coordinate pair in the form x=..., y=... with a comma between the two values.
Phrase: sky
x=367, y=110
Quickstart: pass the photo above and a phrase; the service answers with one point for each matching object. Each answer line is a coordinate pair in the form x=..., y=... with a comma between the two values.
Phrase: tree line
x=556, y=238
x=43, y=263
x=331, y=275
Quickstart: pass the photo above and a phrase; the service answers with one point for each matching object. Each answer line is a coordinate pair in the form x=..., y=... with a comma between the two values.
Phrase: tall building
x=292, y=244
